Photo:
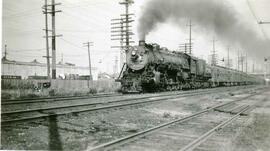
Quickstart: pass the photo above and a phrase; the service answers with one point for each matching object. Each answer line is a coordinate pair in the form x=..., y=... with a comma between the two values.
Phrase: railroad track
x=38, y=113
x=50, y=99
x=240, y=110
x=55, y=99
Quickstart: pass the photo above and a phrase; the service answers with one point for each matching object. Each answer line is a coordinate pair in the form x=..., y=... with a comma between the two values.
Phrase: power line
x=257, y=21
x=94, y=6
x=85, y=19
x=71, y=43
x=20, y=50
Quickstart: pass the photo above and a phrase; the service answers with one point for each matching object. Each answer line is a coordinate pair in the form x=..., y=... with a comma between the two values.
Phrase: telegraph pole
x=238, y=61
x=190, y=40
x=115, y=69
x=62, y=58
x=53, y=36
x=265, y=63
x=246, y=63
x=88, y=45
x=53, y=42
x=242, y=62
x=121, y=31
x=228, y=57
x=253, y=66
x=214, y=55
x=5, y=54
x=124, y=21
x=47, y=39
x=184, y=47
x=127, y=16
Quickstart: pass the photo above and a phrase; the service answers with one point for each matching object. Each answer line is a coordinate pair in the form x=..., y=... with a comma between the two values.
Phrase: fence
x=14, y=88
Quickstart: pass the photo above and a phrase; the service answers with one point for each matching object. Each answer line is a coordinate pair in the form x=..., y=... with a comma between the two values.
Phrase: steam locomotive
x=150, y=68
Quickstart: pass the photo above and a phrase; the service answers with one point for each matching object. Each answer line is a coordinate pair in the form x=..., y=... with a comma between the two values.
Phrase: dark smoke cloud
x=208, y=15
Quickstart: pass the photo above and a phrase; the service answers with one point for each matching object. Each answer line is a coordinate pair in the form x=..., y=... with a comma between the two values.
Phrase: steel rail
x=209, y=133
x=56, y=97
x=98, y=103
x=205, y=136
x=48, y=99
x=180, y=120
x=103, y=107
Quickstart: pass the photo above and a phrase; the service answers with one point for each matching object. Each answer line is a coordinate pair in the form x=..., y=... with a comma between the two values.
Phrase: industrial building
x=35, y=68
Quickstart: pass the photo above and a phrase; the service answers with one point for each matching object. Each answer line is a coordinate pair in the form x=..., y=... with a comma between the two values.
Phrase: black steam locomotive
x=150, y=68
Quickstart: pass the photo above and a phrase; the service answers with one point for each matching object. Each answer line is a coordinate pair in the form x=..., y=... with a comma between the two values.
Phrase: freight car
x=150, y=68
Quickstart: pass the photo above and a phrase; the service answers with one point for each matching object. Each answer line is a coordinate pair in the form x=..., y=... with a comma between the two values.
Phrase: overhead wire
x=71, y=43
x=82, y=17
x=256, y=18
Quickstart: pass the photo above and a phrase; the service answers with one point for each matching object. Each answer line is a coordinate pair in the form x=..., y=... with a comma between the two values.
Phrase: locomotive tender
x=150, y=68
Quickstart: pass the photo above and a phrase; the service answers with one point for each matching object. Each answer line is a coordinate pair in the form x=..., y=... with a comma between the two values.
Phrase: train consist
x=150, y=68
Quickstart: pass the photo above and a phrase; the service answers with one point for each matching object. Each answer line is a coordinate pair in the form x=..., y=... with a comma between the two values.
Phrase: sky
x=89, y=20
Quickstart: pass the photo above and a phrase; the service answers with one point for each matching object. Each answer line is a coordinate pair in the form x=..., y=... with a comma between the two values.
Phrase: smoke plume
x=208, y=16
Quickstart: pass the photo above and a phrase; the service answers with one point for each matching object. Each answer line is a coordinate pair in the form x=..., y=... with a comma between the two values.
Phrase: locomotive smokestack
x=142, y=43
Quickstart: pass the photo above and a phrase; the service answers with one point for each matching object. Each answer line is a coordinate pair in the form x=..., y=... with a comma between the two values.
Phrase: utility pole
x=246, y=63
x=47, y=39
x=5, y=54
x=121, y=31
x=190, y=40
x=122, y=50
x=62, y=58
x=53, y=36
x=115, y=69
x=242, y=62
x=253, y=66
x=184, y=47
x=88, y=45
x=53, y=42
x=238, y=60
x=265, y=63
x=53, y=39
x=119, y=28
x=228, y=57
x=127, y=16
x=214, y=55
x=124, y=21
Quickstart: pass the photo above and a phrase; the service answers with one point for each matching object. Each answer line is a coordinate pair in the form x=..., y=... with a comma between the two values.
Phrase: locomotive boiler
x=150, y=68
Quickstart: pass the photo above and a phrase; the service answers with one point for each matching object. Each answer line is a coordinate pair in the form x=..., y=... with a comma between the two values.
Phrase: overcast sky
x=89, y=20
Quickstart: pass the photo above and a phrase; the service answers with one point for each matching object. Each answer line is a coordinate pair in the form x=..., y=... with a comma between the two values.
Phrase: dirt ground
x=255, y=135
x=78, y=132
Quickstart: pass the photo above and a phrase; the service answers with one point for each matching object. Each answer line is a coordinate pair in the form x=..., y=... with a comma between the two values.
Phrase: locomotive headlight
x=133, y=52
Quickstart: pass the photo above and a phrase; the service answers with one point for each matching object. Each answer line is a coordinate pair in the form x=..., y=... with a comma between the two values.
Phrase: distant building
x=35, y=68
